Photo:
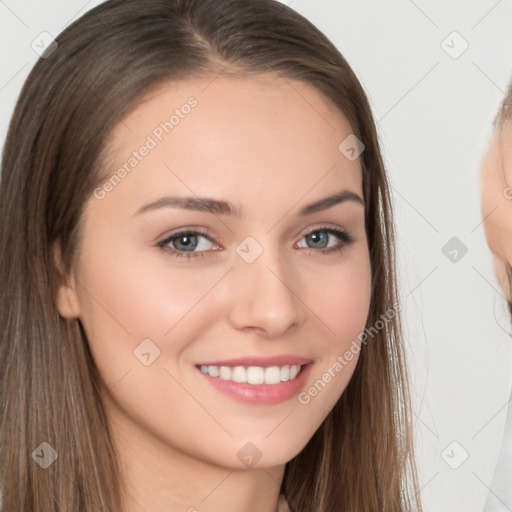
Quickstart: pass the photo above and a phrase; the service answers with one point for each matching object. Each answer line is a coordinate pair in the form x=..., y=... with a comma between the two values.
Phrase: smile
x=255, y=375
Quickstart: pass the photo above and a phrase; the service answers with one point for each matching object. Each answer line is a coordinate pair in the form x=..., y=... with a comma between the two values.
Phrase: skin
x=496, y=202
x=270, y=148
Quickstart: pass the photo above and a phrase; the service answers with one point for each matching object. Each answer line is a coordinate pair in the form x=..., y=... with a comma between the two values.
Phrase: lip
x=262, y=394
x=264, y=362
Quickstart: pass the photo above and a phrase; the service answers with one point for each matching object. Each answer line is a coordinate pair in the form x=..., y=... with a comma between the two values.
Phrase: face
x=496, y=202
x=170, y=292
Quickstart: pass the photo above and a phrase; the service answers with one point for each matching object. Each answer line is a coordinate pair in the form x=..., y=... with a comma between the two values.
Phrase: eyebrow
x=218, y=207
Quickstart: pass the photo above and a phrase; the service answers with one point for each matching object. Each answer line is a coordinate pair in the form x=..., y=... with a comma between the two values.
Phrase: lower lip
x=263, y=393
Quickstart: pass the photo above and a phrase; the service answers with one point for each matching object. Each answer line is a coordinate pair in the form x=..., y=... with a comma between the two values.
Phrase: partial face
x=172, y=294
x=496, y=202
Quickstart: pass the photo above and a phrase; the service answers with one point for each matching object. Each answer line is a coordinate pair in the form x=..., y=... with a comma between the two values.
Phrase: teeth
x=239, y=374
x=213, y=370
x=253, y=374
x=225, y=373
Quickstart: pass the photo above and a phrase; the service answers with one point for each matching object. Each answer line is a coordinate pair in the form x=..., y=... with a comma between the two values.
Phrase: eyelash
x=345, y=237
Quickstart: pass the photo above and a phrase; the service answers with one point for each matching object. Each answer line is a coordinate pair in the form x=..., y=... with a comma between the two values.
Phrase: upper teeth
x=253, y=374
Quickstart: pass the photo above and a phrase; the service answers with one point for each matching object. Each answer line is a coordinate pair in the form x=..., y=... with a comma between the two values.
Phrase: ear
x=66, y=298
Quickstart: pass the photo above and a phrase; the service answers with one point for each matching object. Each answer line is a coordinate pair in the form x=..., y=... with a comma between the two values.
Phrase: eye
x=185, y=243
x=188, y=244
x=319, y=237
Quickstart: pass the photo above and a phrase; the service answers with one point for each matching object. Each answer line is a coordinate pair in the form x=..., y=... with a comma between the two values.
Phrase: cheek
x=343, y=300
x=350, y=299
x=141, y=319
x=126, y=301
x=342, y=303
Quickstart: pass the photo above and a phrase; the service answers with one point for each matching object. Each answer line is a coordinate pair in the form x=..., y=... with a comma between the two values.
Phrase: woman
x=173, y=338
x=496, y=183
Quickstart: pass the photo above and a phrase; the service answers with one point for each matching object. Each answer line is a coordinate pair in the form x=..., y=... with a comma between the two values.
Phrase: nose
x=263, y=298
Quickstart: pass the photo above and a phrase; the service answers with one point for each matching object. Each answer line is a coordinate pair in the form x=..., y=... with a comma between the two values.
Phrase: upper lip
x=264, y=362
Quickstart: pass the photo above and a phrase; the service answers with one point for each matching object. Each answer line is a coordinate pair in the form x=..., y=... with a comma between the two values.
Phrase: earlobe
x=66, y=296
x=67, y=302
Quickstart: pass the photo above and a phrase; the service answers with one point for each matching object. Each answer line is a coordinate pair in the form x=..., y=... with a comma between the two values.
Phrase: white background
x=434, y=114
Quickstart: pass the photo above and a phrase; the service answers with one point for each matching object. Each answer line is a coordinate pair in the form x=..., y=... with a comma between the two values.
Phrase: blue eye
x=185, y=243
x=188, y=241
x=320, y=236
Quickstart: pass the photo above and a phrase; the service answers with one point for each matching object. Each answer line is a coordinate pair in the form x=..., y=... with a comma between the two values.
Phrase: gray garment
x=499, y=498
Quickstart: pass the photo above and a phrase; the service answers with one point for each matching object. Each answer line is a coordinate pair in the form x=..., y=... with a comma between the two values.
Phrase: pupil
x=318, y=236
x=189, y=242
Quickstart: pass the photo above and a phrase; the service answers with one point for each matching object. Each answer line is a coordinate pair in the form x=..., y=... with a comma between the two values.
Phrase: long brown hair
x=361, y=457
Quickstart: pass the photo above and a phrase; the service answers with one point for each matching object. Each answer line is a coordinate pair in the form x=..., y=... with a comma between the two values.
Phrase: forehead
x=255, y=106
x=261, y=136
x=265, y=91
